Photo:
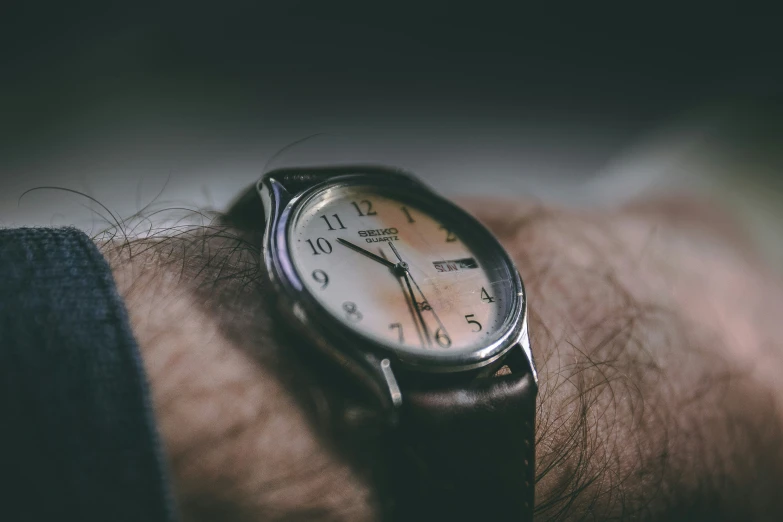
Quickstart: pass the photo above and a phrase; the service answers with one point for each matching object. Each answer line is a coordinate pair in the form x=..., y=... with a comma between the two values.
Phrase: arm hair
x=656, y=344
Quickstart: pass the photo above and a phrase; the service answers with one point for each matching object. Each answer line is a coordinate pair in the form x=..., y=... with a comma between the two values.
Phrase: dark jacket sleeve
x=77, y=434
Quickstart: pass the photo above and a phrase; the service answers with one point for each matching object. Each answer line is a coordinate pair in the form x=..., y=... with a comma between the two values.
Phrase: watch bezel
x=321, y=324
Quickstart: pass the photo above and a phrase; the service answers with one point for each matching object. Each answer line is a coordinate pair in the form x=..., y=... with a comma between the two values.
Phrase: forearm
x=650, y=402
x=239, y=445
x=655, y=345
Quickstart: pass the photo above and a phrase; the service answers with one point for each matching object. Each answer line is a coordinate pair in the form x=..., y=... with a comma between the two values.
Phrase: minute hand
x=423, y=297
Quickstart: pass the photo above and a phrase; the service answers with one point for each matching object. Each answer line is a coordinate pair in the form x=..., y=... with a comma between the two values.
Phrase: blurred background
x=184, y=104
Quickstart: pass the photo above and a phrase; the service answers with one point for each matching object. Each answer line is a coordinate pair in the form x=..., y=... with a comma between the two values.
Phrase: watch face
x=404, y=270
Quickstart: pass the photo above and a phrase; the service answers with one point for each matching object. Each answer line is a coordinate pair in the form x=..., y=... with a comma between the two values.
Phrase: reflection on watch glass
x=399, y=274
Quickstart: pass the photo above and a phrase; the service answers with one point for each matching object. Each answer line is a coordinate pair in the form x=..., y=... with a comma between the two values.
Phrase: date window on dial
x=455, y=265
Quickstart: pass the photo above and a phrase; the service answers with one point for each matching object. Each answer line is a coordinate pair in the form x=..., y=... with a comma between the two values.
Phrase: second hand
x=409, y=277
x=411, y=304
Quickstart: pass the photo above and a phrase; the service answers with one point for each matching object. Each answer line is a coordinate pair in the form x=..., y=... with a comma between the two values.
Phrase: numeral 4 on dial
x=486, y=297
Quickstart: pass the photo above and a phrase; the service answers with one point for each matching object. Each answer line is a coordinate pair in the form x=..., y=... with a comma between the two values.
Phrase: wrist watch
x=419, y=308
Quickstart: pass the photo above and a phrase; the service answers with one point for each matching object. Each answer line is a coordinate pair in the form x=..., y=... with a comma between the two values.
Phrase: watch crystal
x=386, y=266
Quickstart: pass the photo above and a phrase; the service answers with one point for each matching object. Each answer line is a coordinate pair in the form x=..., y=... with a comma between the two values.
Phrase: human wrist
x=641, y=399
x=654, y=342
x=238, y=443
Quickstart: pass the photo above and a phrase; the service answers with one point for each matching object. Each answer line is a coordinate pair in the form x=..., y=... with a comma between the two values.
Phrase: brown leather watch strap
x=297, y=179
x=461, y=451
x=247, y=214
x=468, y=453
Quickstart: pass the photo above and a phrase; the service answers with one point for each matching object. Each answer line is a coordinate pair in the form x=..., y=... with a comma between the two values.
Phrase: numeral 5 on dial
x=473, y=321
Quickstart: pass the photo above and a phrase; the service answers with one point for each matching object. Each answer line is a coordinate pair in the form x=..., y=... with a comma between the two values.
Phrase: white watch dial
x=397, y=274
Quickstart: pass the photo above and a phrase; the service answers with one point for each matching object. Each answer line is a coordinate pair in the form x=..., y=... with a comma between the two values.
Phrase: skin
x=655, y=330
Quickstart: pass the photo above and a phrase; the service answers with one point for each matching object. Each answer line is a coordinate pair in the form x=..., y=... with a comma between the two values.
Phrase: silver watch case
x=373, y=363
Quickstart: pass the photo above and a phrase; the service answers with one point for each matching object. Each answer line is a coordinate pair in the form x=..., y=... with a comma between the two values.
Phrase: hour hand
x=384, y=262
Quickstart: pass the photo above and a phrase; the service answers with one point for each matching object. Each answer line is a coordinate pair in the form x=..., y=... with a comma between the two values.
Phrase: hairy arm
x=654, y=332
